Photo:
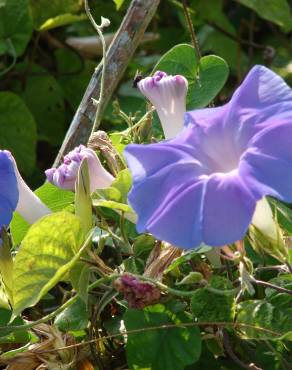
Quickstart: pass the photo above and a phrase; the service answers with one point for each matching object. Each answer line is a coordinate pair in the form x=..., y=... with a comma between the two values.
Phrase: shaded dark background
x=50, y=76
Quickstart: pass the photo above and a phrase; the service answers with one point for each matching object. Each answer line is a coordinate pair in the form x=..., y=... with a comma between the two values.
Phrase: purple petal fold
x=266, y=166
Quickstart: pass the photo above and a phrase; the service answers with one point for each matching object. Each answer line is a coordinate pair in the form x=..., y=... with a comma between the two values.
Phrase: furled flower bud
x=16, y=195
x=168, y=95
x=65, y=176
x=137, y=293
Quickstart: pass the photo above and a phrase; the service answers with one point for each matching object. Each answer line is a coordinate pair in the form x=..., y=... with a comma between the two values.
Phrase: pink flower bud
x=66, y=174
x=168, y=95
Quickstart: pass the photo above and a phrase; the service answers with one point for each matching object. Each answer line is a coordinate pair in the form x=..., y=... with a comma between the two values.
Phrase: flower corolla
x=203, y=185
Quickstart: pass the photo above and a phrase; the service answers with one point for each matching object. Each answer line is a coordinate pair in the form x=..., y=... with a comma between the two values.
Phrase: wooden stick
x=120, y=52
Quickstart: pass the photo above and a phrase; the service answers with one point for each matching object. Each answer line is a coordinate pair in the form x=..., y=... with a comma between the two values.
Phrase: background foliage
x=43, y=78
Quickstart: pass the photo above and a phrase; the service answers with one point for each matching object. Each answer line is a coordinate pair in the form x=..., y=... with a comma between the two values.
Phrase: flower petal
x=172, y=196
x=262, y=95
x=146, y=160
x=227, y=210
x=267, y=165
x=9, y=190
x=166, y=189
x=178, y=220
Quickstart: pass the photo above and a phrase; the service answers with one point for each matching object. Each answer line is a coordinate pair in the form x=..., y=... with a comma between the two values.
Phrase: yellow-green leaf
x=48, y=251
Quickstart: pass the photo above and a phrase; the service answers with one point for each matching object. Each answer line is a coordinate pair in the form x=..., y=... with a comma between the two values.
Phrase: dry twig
x=119, y=54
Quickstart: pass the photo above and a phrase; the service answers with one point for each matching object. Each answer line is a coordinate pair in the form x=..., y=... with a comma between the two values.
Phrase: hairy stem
x=191, y=28
x=220, y=324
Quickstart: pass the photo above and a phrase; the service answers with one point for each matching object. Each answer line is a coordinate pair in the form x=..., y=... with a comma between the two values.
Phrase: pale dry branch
x=120, y=52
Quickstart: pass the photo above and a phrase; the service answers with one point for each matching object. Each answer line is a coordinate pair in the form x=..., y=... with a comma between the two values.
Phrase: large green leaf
x=212, y=75
x=272, y=313
x=209, y=306
x=276, y=11
x=17, y=130
x=6, y=335
x=181, y=59
x=48, y=251
x=206, y=77
x=264, y=315
x=15, y=26
x=55, y=198
x=160, y=349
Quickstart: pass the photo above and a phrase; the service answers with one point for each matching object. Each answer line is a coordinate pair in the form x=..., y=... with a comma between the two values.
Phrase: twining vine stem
x=191, y=28
x=98, y=29
x=163, y=327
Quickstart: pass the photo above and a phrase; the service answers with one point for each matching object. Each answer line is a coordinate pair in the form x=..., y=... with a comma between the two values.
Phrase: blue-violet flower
x=203, y=185
x=66, y=174
x=16, y=195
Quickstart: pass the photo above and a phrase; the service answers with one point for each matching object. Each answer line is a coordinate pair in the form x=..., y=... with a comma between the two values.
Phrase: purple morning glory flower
x=203, y=185
x=16, y=195
x=66, y=174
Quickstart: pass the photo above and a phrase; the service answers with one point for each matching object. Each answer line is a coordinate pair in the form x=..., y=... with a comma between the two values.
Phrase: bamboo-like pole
x=120, y=52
